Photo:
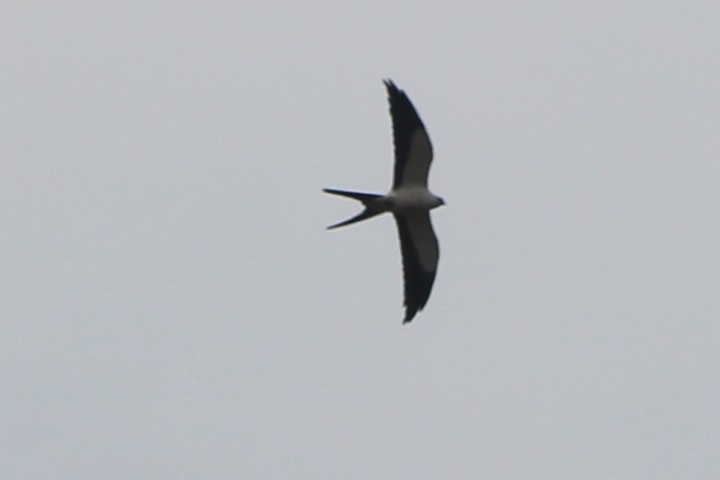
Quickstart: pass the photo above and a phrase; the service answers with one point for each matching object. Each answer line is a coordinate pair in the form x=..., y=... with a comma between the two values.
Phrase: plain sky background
x=171, y=306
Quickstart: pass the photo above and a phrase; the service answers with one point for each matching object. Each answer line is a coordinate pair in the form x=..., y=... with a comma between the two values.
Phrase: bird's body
x=410, y=201
x=406, y=200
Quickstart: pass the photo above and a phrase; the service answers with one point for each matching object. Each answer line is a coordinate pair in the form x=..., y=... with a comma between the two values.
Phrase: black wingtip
x=409, y=315
x=390, y=85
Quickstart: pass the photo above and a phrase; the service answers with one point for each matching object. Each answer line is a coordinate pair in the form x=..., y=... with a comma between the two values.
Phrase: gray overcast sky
x=171, y=306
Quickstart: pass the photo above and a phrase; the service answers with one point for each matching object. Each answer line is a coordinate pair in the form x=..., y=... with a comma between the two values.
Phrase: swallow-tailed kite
x=409, y=201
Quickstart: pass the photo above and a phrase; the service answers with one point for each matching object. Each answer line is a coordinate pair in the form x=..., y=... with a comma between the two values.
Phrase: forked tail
x=371, y=208
x=363, y=197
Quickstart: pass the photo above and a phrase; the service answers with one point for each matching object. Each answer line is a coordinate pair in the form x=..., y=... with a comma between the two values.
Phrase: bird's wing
x=413, y=150
x=420, y=254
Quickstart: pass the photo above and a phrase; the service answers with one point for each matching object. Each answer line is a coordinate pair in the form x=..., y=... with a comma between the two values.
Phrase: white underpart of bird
x=410, y=201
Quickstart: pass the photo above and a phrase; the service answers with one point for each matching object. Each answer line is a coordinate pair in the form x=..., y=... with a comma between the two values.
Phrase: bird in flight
x=410, y=201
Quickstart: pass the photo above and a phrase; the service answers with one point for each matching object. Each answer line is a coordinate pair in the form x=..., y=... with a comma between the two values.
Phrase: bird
x=409, y=200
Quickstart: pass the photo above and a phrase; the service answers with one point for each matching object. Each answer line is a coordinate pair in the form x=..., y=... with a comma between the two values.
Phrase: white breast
x=414, y=198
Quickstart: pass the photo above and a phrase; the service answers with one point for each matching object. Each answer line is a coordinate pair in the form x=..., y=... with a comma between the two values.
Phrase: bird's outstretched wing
x=413, y=150
x=420, y=254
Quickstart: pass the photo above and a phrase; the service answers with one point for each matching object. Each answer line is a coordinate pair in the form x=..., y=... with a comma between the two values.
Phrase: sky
x=172, y=307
